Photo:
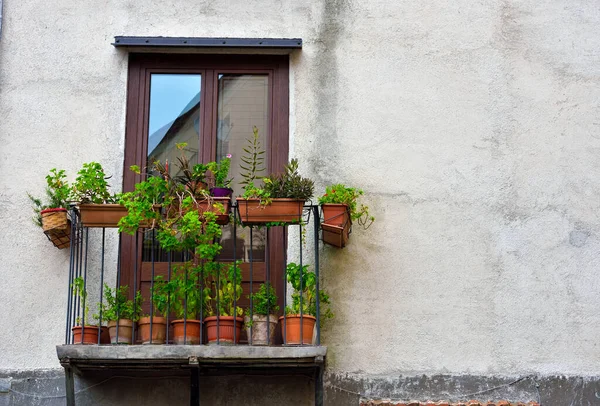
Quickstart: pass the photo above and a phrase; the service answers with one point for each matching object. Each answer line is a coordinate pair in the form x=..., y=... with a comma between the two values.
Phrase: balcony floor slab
x=102, y=357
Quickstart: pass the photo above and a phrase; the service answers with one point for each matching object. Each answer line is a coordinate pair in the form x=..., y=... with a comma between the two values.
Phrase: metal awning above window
x=282, y=45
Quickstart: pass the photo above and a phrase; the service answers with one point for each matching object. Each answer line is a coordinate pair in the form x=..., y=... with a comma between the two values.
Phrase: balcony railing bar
x=101, y=286
x=78, y=266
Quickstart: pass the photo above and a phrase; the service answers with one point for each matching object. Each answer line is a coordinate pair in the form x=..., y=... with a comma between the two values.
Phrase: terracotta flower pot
x=336, y=224
x=226, y=326
x=280, y=210
x=159, y=330
x=335, y=214
x=90, y=335
x=125, y=331
x=290, y=329
x=257, y=335
x=192, y=331
x=208, y=205
x=101, y=215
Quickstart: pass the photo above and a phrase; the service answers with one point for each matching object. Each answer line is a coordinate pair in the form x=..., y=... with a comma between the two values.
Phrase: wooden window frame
x=141, y=66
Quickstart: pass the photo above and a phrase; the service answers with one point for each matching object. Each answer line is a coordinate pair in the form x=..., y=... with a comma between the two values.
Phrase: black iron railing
x=88, y=266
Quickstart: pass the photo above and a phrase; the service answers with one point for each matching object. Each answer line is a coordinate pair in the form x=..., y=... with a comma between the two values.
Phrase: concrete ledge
x=177, y=356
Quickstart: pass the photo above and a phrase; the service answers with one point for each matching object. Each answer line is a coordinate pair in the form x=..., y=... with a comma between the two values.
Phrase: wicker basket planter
x=57, y=227
x=280, y=210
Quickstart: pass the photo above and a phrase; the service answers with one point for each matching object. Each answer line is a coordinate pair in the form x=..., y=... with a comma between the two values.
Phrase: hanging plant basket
x=336, y=225
x=101, y=215
x=287, y=211
x=57, y=227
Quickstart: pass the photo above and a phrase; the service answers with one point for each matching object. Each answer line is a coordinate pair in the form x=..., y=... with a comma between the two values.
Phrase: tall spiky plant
x=253, y=160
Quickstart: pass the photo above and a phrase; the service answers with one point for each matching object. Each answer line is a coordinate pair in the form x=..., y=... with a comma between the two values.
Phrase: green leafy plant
x=181, y=292
x=264, y=301
x=117, y=306
x=289, y=184
x=58, y=193
x=160, y=297
x=78, y=287
x=341, y=194
x=193, y=177
x=91, y=186
x=253, y=161
x=304, y=295
x=253, y=192
x=223, y=289
x=220, y=172
x=143, y=204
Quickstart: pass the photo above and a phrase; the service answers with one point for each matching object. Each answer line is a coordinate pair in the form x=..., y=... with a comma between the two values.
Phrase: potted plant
x=220, y=171
x=184, y=296
x=84, y=333
x=222, y=291
x=188, y=230
x=144, y=203
x=193, y=180
x=97, y=207
x=121, y=312
x=153, y=328
x=340, y=208
x=261, y=319
x=280, y=200
x=298, y=324
x=52, y=216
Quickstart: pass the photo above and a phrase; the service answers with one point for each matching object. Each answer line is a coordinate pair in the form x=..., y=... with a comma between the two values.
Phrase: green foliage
x=160, y=296
x=264, y=301
x=341, y=194
x=117, y=306
x=305, y=293
x=193, y=178
x=189, y=230
x=253, y=161
x=223, y=288
x=181, y=292
x=253, y=192
x=91, y=186
x=58, y=193
x=289, y=184
x=220, y=171
x=78, y=287
x=143, y=204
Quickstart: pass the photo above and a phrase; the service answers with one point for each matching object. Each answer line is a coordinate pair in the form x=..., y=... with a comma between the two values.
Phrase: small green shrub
x=117, y=306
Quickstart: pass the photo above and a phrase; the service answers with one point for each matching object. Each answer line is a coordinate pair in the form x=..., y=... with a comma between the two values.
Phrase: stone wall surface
x=471, y=126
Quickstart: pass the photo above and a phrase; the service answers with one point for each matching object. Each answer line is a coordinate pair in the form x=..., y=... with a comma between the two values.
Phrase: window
x=211, y=102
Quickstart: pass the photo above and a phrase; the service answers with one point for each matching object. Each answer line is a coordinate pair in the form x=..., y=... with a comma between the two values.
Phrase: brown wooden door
x=210, y=102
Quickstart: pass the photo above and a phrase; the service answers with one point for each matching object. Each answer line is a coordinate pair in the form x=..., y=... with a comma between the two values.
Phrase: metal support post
x=194, y=387
x=70, y=386
x=319, y=385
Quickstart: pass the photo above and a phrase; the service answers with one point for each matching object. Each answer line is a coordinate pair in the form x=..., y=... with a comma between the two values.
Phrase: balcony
x=196, y=336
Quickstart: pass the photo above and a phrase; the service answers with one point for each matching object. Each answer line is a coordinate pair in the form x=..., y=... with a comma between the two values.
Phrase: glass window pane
x=243, y=103
x=174, y=117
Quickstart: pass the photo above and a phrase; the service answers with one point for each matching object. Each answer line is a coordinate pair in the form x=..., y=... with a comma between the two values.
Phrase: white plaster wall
x=471, y=126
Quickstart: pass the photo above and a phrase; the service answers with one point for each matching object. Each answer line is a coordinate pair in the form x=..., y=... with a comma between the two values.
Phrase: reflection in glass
x=242, y=104
x=174, y=118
